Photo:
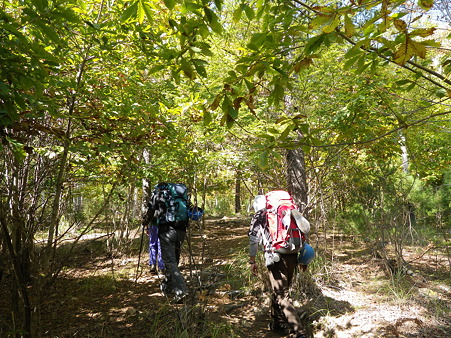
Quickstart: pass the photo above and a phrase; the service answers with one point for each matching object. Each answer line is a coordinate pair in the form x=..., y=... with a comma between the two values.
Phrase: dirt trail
x=355, y=300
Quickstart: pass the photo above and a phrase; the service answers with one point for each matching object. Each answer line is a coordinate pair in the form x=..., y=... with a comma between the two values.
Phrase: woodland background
x=344, y=103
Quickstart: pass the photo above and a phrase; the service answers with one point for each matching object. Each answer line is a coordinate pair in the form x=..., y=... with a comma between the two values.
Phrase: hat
x=259, y=202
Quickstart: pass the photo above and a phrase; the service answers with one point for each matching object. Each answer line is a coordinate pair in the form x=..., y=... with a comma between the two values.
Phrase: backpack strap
x=267, y=245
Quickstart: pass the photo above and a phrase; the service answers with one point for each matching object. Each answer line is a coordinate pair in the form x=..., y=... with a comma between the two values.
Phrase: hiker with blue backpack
x=279, y=227
x=168, y=209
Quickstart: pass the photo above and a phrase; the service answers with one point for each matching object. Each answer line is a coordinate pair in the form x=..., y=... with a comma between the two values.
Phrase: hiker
x=167, y=208
x=155, y=259
x=281, y=269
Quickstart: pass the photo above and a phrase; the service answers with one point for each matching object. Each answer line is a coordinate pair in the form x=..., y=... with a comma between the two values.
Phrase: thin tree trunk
x=238, y=192
x=297, y=178
x=22, y=283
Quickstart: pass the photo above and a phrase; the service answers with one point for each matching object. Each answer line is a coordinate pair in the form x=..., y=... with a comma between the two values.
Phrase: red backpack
x=285, y=222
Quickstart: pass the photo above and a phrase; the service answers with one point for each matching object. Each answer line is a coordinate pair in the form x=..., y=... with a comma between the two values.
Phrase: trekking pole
x=139, y=257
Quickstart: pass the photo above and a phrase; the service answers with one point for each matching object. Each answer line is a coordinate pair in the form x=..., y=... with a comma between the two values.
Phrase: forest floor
x=100, y=294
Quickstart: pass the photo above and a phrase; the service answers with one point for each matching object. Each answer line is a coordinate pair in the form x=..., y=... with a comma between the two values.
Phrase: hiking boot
x=298, y=334
x=180, y=299
x=278, y=328
x=164, y=287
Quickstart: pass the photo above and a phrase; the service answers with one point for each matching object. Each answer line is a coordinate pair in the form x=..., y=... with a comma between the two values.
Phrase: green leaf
x=314, y=43
x=156, y=68
x=141, y=13
x=200, y=67
x=361, y=64
x=257, y=41
x=148, y=11
x=40, y=5
x=186, y=69
x=230, y=114
x=229, y=121
x=263, y=160
x=350, y=62
x=130, y=12
x=4, y=88
x=50, y=33
x=176, y=75
x=18, y=149
x=268, y=137
x=277, y=94
x=249, y=12
x=441, y=92
x=214, y=24
x=403, y=82
x=218, y=4
x=207, y=117
x=169, y=3
x=286, y=132
x=237, y=14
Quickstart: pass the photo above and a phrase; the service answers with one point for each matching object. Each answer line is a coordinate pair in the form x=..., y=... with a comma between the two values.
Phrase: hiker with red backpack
x=280, y=228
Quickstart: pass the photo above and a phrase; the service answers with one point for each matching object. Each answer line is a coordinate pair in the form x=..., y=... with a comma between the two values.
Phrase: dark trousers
x=281, y=275
x=171, y=240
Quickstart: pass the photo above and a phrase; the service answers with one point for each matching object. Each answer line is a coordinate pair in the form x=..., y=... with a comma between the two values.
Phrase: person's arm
x=253, y=265
x=253, y=253
x=254, y=239
x=150, y=212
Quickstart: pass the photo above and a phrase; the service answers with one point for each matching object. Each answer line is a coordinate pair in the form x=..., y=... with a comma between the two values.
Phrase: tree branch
x=404, y=126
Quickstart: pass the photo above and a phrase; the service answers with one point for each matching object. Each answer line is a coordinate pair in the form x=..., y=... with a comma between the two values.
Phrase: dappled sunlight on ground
x=104, y=295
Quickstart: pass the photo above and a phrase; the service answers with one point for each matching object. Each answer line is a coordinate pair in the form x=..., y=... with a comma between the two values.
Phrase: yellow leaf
x=423, y=32
x=349, y=27
x=331, y=27
x=426, y=4
x=418, y=48
x=319, y=21
x=402, y=54
x=408, y=49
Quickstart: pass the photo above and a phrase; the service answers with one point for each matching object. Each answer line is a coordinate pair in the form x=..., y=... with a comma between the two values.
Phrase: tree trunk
x=238, y=192
x=297, y=178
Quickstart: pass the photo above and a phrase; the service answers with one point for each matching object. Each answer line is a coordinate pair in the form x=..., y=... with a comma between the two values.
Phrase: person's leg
x=178, y=245
x=168, y=242
x=160, y=257
x=282, y=309
x=155, y=248
x=277, y=316
x=153, y=237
